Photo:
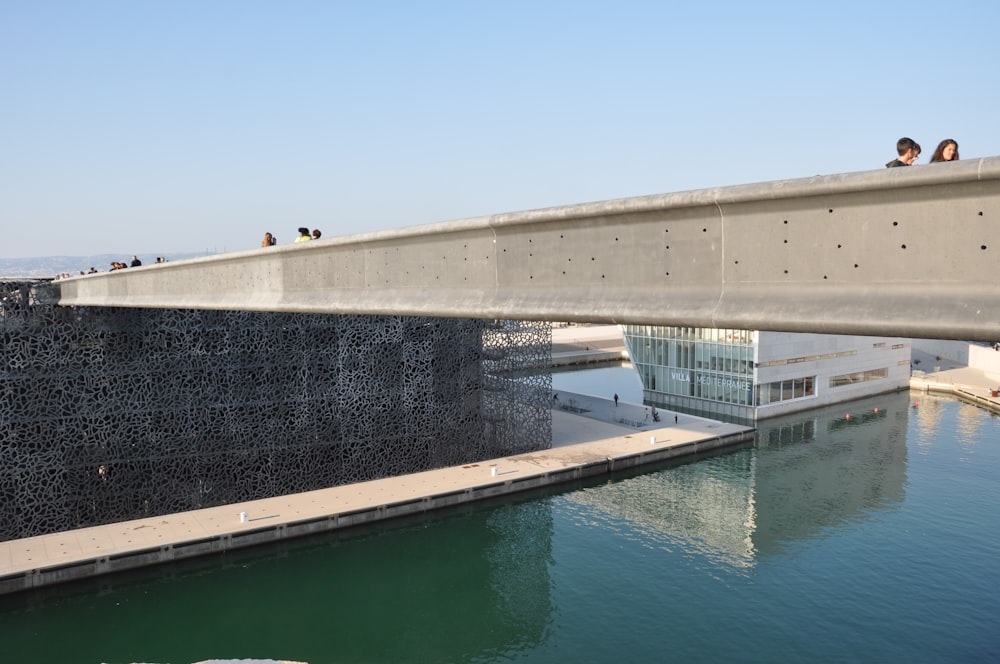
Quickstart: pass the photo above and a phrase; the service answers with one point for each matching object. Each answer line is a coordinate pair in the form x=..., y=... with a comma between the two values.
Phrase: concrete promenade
x=585, y=444
x=587, y=344
x=966, y=383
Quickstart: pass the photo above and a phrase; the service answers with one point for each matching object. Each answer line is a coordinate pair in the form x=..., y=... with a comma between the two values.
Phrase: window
x=858, y=377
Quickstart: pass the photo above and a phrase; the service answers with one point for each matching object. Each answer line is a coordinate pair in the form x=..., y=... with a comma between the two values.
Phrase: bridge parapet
x=893, y=252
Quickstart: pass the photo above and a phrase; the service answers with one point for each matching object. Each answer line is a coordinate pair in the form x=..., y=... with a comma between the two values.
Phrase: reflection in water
x=423, y=592
x=806, y=472
x=823, y=542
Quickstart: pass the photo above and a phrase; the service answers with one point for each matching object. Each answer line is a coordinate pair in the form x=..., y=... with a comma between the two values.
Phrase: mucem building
x=110, y=414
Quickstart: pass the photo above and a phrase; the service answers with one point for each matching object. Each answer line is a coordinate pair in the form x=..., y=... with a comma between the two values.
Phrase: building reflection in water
x=806, y=472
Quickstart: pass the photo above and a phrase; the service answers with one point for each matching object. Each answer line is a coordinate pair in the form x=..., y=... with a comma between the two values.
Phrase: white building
x=751, y=375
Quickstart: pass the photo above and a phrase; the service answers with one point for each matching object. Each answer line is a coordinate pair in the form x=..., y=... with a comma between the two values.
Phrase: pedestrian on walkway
x=616, y=399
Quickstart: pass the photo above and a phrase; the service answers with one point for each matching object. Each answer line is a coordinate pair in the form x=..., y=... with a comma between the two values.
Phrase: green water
x=869, y=539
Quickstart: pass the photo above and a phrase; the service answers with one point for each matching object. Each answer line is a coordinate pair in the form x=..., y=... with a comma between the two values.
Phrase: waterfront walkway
x=590, y=437
x=949, y=377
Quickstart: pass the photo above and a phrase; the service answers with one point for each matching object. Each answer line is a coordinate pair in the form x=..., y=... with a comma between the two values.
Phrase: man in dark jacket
x=908, y=150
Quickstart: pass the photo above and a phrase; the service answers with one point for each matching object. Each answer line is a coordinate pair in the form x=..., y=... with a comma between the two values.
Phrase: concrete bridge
x=908, y=252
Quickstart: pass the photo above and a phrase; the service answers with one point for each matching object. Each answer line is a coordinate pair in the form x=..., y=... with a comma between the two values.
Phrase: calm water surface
x=868, y=539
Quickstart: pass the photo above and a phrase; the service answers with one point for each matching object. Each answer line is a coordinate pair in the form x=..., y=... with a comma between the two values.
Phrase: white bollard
x=493, y=471
x=652, y=440
x=244, y=517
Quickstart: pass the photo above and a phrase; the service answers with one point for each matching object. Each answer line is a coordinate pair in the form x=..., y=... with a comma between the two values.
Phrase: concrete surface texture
x=888, y=252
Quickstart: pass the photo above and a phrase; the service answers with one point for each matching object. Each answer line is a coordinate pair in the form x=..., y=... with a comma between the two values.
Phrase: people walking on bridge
x=908, y=150
x=303, y=235
x=316, y=233
x=947, y=150
x=269, y=240
x=136, y=262
x=616, y=399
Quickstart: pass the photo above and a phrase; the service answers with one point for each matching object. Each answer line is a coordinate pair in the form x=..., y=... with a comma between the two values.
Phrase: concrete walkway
x=585, y=444
x=950, y=377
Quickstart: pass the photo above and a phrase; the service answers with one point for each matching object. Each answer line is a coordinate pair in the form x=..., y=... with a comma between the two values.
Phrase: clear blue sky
x=175, y=126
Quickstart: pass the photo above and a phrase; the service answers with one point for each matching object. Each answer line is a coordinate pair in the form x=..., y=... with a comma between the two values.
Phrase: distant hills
x=50, y=266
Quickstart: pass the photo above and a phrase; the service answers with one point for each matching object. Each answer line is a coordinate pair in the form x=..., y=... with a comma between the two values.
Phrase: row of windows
x=785, y=390
x=693, y=355
x=809, y=358
x=858, y=377
x=717, y=335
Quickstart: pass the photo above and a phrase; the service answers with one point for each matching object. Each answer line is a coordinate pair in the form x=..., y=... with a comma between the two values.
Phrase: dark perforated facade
x=113, y=414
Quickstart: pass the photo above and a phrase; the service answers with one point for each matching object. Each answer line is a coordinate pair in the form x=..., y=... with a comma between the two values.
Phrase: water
x=829, y=540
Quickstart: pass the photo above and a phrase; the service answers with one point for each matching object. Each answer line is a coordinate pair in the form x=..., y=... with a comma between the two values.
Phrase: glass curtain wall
x=715, y=365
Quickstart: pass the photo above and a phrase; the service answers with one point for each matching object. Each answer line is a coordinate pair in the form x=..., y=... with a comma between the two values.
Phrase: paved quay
x=587, y=344
x=591, y=436
x=967, y=383
x=584, y=443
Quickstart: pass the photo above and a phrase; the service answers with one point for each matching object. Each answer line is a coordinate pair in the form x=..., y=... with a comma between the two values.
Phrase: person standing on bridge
x=316, y=233
x=303, y=235
x=269, y=240
x=908, y=150
x=947, y=150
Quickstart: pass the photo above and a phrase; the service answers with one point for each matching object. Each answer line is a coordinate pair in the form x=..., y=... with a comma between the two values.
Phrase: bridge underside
x=896, y=252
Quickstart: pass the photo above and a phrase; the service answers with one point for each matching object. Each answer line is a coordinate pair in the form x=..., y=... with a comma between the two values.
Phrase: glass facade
x=725, y=374
x=716, y=365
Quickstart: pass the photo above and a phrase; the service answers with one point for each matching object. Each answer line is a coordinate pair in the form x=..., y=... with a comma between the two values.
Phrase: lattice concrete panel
x=110, y=414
